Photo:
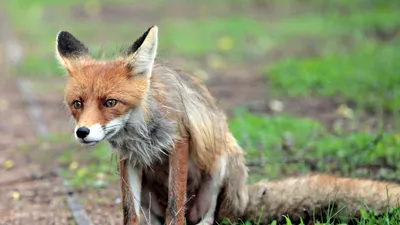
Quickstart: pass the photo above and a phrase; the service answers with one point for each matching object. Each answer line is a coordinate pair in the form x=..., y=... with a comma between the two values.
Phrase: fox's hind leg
x=152, y=212
x=234, y=196
x=206, y=200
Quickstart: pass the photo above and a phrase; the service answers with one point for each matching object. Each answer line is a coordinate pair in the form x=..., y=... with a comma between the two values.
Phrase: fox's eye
x=110, y=103
x=77, y=104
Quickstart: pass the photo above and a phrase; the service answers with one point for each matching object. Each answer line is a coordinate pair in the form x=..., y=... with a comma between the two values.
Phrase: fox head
x=101, y=94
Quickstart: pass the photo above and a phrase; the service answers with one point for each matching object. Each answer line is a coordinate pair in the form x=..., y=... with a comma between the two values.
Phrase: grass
x=370, y=69
x=81, y=168
x=291, y=145
x=38, y=33
x=234, y=37
x=93, y=169
x=371, y=218
x=228, y=36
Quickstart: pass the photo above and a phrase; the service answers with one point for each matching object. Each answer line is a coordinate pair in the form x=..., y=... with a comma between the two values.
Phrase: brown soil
x=41, y=199
x=97, y=202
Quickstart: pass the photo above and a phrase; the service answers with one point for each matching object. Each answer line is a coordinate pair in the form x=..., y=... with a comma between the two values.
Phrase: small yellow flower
x=225, y=43
x=15, y=195
x=73, y=165
x=82, y=172
x=397, y=137
x=8, y=164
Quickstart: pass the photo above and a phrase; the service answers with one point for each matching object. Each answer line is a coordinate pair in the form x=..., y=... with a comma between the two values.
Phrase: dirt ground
x=30, y=192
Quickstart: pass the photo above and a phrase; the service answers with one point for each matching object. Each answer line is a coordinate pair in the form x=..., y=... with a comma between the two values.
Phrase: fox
x=178, y=163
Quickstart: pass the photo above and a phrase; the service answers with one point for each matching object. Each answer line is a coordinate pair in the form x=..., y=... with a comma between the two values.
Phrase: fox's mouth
x=88, y=143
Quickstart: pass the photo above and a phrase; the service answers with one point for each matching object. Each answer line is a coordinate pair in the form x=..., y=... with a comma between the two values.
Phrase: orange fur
x=114, y=83
x=177, y=187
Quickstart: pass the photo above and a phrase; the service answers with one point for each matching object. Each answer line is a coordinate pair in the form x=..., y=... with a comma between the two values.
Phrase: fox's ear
x=142, y=53
x=70, y=50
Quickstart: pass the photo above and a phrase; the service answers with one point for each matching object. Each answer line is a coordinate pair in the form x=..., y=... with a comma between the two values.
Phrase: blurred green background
x=309, y=85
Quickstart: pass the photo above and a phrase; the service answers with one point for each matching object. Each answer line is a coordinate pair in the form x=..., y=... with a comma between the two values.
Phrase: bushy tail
x=318, y=195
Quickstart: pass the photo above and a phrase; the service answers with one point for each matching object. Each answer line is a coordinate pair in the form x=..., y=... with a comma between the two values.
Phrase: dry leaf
x=3, y=105
x=345, y=111
x=276, y=105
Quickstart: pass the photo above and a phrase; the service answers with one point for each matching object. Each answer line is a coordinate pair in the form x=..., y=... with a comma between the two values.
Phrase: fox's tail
x=316, y=195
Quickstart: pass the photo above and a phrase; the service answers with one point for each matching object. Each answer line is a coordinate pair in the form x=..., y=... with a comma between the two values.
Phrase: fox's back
x=186, y=100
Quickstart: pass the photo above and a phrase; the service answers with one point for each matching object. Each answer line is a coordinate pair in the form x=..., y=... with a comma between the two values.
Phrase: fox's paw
x=233, y=206
x=206, y=221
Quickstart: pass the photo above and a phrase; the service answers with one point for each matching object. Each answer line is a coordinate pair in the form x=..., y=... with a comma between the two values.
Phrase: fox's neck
x=147, y=136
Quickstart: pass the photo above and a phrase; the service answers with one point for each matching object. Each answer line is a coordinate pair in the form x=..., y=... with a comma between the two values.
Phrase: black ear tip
x=63, y=32
x=67, y=44
x=64, y=35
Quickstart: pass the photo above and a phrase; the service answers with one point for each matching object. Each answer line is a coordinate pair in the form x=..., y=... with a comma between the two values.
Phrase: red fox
x=178, y=159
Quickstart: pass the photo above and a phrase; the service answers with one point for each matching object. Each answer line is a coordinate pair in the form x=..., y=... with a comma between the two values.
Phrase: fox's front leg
x=131, y=183
x=178, y=169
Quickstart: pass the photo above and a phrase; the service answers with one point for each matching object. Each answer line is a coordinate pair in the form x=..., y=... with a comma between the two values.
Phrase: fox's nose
x=82, y=132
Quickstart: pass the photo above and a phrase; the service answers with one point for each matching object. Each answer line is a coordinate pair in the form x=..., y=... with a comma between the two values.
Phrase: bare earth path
x=30, y=192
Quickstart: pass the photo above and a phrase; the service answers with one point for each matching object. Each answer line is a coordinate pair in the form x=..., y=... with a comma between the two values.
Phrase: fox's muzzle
x=93, y=134
x=89, y=135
